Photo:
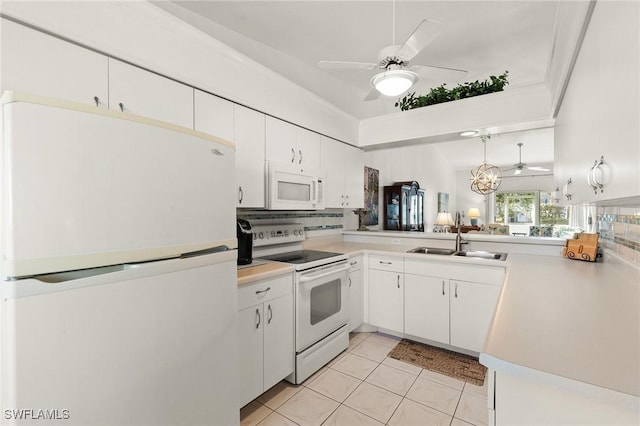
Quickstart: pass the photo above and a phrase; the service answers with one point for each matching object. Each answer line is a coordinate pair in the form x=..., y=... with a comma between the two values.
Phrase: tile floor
x=362, y=386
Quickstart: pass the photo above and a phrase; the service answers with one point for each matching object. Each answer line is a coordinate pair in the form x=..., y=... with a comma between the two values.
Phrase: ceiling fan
x=397, y=76
x=519, y=166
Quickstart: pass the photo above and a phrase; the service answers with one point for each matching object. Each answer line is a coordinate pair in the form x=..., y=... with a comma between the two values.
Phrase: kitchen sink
x=430, y=250
x=482, y=255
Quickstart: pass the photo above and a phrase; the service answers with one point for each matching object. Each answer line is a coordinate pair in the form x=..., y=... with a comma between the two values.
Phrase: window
x=524, y=211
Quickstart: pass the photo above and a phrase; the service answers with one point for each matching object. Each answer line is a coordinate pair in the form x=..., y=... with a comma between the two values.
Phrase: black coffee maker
x=245, y=242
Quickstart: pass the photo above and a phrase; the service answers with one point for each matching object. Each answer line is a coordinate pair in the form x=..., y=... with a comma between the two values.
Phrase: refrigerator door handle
x=211, y=250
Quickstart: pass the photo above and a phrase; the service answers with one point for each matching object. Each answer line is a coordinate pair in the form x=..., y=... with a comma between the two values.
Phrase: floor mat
x=452, y=364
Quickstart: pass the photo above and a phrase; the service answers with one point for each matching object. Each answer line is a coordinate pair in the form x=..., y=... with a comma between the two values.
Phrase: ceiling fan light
x=394, y=82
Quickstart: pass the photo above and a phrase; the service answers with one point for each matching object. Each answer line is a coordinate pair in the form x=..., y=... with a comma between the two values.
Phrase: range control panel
x=266, y=235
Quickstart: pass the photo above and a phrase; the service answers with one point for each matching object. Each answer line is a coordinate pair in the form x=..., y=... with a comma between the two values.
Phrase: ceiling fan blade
x=346, y=65
x=426, y=31
x=517, y=172
x=439, y=74
x=538, y=169
x=372, y=95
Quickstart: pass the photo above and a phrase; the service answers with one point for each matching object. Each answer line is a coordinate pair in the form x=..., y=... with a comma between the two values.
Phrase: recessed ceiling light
x=470, y=133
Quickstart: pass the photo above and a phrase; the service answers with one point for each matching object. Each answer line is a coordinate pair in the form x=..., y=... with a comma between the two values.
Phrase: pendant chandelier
x=486, y=178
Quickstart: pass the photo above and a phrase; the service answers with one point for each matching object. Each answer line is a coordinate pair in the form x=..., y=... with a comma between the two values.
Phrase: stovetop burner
x=300, y=257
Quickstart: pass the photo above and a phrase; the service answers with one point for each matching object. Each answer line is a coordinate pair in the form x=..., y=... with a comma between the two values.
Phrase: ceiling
x=483, y=37
x=290, y=37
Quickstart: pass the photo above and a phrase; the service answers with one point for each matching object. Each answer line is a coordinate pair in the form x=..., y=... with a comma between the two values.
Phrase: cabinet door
x=43, y=65
x=250, y=155
x=278, y=339
x=353, y=177
x=426, y=307
x=140, y=92
x=280, y=141
x=250, y=345
x=386, y=297
x=213, y=115
x=308, y=149
x=472, y=306
x=355, y=294
x=332, y=157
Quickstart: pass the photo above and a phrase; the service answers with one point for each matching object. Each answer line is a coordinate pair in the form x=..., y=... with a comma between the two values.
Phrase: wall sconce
x=474, y=214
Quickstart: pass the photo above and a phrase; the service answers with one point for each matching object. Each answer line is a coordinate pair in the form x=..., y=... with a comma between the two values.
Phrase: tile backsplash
x=619, y=231
x=316, y=223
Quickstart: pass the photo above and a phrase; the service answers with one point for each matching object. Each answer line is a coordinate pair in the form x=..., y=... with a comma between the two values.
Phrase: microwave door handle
x=306, y=278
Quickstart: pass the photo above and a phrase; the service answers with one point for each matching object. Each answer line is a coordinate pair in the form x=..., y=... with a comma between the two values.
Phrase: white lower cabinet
x=386, y=293
x=355, y=293
x=265, y=335
x=451, y=303
x=426, y=305
x=472, y=305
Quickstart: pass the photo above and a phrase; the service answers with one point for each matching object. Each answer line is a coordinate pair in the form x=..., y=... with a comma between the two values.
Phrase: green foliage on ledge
x=441, y=94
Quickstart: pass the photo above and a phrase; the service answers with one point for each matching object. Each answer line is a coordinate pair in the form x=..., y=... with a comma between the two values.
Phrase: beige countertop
x=259, y=272
x=573, y=319
x=578, y=320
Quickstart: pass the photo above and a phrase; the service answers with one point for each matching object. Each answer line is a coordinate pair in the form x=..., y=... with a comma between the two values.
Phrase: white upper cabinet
x=249, y=132
x=287, y=143
x=213, y=115
x=141, y=92
x=599, y=113
x=42, y=65
x=343, y=172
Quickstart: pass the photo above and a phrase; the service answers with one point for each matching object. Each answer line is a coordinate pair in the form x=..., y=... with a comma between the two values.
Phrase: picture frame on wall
x=443, y=202
x=371, y=195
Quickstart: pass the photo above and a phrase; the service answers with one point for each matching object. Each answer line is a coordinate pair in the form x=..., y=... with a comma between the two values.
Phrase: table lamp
x=474, y=214
x=444, y=220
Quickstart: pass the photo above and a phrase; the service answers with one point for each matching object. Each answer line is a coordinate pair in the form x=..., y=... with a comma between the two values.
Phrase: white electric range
x=321, y=291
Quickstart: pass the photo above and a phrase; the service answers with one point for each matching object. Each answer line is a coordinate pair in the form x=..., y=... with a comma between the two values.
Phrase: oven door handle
x=306, y=278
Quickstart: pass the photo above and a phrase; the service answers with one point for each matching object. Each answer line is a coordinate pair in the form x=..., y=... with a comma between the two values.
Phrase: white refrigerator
x=118, y=291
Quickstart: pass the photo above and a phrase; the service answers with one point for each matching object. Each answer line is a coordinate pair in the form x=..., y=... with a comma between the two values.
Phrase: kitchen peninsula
x=565, y=334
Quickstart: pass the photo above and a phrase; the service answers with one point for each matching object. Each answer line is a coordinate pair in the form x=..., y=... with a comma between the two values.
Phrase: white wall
x=422, y=163
x=143, y=34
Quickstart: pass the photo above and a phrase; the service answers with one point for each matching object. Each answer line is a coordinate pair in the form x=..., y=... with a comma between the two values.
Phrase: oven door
x=322, y=303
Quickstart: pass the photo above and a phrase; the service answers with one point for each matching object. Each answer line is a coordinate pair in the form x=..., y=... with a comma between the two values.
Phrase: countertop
x=574, y=319
x=259, y=272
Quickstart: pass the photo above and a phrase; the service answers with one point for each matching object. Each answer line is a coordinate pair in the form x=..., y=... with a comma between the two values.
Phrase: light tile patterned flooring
x=362, y=386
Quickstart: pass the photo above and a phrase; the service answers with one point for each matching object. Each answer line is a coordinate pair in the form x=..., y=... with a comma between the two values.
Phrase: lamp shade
x=473, y=213
x=444, y=218
x=394, y=82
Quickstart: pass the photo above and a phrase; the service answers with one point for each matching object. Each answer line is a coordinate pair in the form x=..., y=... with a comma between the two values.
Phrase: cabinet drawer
x=355, y=263
x=262, y=291
x=386, y=263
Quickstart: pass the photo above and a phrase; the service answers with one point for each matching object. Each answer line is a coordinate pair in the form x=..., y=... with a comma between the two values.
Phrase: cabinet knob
x=257, y=318
x=398, y=281
x=263, y=291
x=346, y=197
x=240, y=195
x=293, y=155
x=121, y=105
x=456, y=290
x=96, y=100
x=443, y=287
x=270, y=314
x=349, y=281
x=300, y=157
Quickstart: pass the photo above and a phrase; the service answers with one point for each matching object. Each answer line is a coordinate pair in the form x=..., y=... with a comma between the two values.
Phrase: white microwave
x=291, y=187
